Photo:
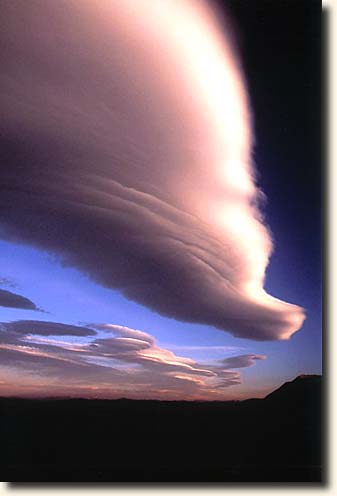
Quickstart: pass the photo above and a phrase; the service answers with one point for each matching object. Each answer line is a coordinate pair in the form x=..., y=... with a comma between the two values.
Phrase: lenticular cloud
x=126, y=142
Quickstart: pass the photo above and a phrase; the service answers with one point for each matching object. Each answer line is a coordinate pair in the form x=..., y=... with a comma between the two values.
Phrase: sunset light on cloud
x=128, y=157
x=99, y=361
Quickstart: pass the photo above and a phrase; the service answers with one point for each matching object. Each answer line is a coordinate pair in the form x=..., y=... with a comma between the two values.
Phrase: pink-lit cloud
x=126, y=145
x=242, y=361
x=121, y=362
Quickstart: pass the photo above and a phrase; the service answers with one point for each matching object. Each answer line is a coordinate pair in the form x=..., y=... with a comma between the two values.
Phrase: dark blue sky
x=280, y=43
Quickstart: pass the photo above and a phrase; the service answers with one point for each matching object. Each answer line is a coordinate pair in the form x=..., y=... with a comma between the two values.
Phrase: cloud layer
x=126, y=151
x=119, y=361
x=14, y=300
x=45, y=328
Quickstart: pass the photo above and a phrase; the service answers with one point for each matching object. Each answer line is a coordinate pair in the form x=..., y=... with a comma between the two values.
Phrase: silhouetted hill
x=302, y=388
x=276, y=439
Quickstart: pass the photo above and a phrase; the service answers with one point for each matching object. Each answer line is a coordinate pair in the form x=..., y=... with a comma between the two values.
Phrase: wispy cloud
x=5, y=281
x=45, y=328
x=220, y=348
x=129, y=360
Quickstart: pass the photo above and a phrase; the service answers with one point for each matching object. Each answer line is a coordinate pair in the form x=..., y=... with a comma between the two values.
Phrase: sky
x=160, y=210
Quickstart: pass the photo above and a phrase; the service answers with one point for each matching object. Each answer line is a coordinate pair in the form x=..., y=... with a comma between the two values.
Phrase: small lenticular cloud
x=123, y=359
x=13, y=300
x=126, y=142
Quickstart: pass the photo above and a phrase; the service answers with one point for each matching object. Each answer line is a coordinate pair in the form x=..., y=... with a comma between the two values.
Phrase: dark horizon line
x=124, y=398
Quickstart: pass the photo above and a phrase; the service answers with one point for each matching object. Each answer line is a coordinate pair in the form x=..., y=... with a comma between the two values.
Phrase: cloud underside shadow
x=9, y=299
x=119, y=362
x=127, y=153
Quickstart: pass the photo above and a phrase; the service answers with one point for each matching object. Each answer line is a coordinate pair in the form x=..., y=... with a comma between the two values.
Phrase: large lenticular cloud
x=126, y=143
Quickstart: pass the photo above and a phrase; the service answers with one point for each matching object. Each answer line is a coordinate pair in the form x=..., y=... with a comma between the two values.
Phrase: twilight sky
x=160, y=198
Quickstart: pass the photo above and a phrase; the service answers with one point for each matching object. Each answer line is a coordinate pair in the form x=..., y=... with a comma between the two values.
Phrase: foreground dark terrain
x=276, y=439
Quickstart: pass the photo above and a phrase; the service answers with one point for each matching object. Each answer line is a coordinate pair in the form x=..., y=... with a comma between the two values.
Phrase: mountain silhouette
x=275, y=439
x=302, y=388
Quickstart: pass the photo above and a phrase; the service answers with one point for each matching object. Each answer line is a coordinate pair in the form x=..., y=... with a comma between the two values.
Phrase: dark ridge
x=297, y=386
x=276, y=439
